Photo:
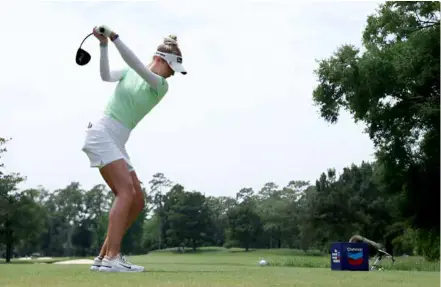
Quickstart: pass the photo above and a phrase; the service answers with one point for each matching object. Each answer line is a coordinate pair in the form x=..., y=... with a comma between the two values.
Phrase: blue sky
x=242, y=116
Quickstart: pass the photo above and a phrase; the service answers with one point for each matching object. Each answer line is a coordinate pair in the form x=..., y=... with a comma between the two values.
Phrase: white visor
x=174, y=61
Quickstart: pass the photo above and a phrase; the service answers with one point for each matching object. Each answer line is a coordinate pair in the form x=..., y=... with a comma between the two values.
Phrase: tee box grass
x=218, y=268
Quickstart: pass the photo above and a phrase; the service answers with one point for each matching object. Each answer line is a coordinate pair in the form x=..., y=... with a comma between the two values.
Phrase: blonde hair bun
x=171, y=40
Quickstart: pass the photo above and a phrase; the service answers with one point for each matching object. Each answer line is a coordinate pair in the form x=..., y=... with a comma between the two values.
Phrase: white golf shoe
x=118, y=264
x=97, y=261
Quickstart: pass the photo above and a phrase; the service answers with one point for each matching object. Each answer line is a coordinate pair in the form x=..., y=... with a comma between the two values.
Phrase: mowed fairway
x=208, y=269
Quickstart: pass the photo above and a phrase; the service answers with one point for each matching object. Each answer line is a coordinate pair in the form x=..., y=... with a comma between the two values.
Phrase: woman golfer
x=140, y=88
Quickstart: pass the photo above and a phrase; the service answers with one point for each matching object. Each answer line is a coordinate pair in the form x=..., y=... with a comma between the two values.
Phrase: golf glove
x=104, y=30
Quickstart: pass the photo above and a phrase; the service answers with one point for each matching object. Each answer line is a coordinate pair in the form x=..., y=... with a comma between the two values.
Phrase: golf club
x=83, y=57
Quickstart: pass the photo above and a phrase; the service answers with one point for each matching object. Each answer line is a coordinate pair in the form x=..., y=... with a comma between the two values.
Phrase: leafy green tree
x=355, y=202
x=394, y=88
x=150, y=233
x=244, y=223
x=66, y=211
x=20, y=214
x=188, y=217
x=291, y=211
x=307, y=233
x=171, y=217
x=82, y=237
x=98, y=201
x=159, y=185
x=270, y=206
x=218, y=209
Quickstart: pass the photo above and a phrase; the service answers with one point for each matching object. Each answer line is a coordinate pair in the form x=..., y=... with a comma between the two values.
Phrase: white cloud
x=241, y=117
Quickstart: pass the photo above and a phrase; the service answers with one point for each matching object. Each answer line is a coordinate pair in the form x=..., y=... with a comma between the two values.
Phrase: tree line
x=392, y=87
x=72, y=221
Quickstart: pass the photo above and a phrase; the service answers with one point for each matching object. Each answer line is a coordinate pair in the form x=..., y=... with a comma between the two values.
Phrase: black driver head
x=82, y=58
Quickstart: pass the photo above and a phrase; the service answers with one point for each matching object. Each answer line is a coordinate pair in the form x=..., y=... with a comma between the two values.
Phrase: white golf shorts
x=105, y=142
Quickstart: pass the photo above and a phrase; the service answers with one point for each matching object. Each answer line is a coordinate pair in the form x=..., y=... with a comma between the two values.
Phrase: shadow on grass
x=242, y=251
x=201, y=251
x=202, y=263
x=189, y=251
x=188, y=271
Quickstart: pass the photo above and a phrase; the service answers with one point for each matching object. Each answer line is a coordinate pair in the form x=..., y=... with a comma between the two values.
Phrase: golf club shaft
x=85, y=39
x=358, y=238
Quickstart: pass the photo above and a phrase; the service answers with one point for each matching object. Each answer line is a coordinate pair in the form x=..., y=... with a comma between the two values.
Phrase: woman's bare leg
x=136, y=208
x=117, y=173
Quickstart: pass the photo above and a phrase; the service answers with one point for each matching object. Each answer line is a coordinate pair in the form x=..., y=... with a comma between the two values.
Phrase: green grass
x=413, y=263
x=209, y=267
